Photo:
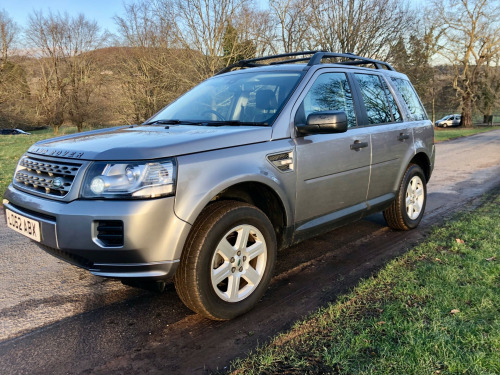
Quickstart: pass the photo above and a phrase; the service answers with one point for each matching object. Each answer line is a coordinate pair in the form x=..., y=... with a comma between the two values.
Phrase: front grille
x=110, y=232
x=45, y=176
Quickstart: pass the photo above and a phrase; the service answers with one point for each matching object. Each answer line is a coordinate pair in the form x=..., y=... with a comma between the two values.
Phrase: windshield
x=253, y=98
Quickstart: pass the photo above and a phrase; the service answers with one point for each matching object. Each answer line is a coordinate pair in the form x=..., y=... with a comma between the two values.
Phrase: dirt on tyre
x=228, y=260
x=407, y=210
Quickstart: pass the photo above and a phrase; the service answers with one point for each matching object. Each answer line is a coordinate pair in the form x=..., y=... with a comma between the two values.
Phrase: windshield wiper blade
x=234, y=123
x=171, y=122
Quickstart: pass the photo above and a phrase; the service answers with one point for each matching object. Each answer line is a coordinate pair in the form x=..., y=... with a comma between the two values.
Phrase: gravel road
x=56, y=318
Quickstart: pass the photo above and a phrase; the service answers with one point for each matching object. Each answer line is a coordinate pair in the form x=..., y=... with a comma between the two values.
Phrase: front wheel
x=228, y=260
x=408, y=208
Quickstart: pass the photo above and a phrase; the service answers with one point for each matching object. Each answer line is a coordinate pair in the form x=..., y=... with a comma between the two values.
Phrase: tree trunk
x=467, y=111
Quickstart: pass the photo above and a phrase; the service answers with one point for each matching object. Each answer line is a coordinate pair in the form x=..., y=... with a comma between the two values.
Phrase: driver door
x=332, y=169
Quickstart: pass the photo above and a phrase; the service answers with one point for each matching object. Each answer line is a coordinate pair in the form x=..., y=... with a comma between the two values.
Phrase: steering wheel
x=217, y=114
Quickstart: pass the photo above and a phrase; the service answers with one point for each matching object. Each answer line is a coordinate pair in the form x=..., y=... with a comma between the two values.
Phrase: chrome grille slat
x=38, y=174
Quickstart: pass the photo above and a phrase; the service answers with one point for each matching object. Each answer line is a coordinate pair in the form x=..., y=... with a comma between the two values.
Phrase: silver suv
x=265, y=154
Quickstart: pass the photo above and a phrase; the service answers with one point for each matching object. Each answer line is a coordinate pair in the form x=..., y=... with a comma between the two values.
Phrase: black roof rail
x=353, y=60
x=251, y=63
x=314, y=58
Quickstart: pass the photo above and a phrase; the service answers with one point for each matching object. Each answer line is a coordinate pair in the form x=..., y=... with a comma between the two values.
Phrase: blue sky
x=101, y=11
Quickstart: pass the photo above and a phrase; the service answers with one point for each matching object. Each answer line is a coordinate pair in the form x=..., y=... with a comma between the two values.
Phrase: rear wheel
x=408, y=208
x=228, y=260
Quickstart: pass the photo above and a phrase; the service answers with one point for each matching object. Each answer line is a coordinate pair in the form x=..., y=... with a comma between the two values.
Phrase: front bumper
x=153, y=236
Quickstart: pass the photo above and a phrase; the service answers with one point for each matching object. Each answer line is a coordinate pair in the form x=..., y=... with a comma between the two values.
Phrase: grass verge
x=441, y=134
x=435, y=310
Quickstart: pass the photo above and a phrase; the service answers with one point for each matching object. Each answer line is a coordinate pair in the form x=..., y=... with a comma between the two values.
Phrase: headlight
x=145, y=179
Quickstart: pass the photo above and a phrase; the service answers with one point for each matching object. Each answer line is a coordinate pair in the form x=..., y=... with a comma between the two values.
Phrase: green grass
x=13, y=146
x=435, y=310
x=441, y=134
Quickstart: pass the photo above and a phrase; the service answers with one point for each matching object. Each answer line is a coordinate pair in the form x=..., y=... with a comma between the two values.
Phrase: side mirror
x=325, y=122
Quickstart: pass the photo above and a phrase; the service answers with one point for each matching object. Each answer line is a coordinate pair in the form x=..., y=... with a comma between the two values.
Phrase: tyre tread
x=186, y=279
x=394, y=213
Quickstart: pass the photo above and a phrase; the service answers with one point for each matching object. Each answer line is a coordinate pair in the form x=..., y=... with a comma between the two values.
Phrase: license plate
x=30, y=228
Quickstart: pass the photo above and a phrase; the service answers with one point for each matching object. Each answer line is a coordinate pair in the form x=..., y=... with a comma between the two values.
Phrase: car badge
x=57, y=183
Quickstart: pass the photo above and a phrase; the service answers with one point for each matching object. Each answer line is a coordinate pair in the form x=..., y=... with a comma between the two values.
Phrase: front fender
x=204, y=175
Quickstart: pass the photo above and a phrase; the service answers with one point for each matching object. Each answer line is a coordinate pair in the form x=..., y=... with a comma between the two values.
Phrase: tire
x=406, y=211
x=221, y=275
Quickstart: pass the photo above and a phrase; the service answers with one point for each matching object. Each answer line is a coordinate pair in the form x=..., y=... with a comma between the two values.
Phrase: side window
x=396, y=114
x=330, y=92
x=410, y=97
x=375, y=98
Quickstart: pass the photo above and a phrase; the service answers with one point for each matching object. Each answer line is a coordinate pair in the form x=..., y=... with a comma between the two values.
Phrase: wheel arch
x=423, y=161
x=261, y=196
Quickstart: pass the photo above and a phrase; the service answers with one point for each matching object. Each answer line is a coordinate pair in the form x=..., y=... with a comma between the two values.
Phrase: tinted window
x=375, y=98
x=410, y=97
x=330, y=92
x=396, y=114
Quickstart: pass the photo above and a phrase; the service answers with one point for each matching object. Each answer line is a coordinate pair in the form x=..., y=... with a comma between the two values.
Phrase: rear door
x=391, y=138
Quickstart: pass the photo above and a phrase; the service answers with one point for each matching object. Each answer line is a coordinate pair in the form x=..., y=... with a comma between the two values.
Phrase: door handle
x=358, y=145
x=403, y=136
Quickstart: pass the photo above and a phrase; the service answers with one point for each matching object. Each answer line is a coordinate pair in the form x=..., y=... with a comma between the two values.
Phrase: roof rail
x=314, y=58
x=353, y=60
x=251, y=63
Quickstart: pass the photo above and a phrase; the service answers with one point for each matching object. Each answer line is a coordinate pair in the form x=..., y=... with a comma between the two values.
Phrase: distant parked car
x=447, y=121
x=14, y=132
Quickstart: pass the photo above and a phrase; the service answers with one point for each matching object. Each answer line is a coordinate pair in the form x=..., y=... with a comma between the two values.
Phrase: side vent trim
x=283, y=161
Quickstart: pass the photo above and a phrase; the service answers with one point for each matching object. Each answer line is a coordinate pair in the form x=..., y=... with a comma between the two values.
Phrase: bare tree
x=256, y=26
x=471, y=37
x=83, y=38
x=200, y=28
x=489, y=88
x=8, y=32
x=67, y=75
x=364, y=27
x=293, y=20
x=152, y=71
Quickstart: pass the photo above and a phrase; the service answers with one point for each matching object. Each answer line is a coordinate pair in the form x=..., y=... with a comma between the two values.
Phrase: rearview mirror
x=324, y=122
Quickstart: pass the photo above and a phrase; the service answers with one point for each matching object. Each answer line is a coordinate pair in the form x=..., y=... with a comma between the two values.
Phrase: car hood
x=149, y=142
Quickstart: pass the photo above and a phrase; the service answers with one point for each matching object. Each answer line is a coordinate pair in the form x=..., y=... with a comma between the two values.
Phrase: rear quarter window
x=415, y=110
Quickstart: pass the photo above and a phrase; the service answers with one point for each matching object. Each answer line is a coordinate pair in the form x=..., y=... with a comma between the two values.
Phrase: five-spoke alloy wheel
x=228, y=260
x=407, y=209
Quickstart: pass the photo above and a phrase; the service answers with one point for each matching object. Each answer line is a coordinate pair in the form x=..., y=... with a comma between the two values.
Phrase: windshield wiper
x=234, y=123
x=171, y=122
